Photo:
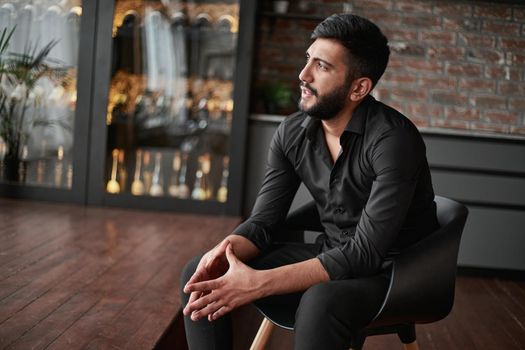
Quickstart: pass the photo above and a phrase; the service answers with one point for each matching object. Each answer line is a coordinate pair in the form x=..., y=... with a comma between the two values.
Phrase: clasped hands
x=220, y=284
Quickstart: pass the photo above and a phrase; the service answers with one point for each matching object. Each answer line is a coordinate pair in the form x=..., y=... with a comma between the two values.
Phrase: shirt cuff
x=255, y=233
x=335, y=263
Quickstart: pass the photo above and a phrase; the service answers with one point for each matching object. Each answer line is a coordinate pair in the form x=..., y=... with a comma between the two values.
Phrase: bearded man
x=365, y=166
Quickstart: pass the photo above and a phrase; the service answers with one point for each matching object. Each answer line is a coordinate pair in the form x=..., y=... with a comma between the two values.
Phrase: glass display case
x=41, y=114
x=170, y=101
x=39, y=61
x=173, y=119
x=164, y=102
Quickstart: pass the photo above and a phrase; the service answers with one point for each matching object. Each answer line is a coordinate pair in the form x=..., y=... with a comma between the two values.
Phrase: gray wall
x=487, y=174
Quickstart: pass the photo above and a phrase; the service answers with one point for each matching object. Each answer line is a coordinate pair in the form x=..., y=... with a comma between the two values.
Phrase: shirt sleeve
x=275, y=196
x=396, y=158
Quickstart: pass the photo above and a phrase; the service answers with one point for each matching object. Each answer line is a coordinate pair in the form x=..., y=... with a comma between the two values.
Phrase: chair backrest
x=424, y=275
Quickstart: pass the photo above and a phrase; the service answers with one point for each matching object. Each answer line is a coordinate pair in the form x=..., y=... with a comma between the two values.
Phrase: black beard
x=329, y=105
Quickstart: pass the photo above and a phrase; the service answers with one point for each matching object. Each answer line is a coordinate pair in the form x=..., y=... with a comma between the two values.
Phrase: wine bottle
x=69, y=175
x=113, y=185
x=121, y=170
x=173, y=189
x=198, y=192
x=206, y=167
x=156, y=189
x=147, y=174
x=222, y=193
x=201, y=189
x=203, y=112
x=184, y=190
x=59, y=166
x=137, y=186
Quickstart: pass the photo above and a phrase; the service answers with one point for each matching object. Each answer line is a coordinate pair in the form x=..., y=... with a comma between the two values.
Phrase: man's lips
x=307, y=91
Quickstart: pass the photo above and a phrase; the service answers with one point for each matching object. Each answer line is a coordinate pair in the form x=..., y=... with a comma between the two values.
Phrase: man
x=364, y=164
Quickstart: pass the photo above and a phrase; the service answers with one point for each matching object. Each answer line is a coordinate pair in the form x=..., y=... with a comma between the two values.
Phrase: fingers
x=189, y=308
x=206, y=311
x=206, y=306
x=194, y=296
x=200, y=286
x=232, y=259
x=219, y=313
x=201, y=303
x=217, y=252
x=203, y=286
x=196, y=277
x=212, y=311
x=202, y=272
x=223, y=245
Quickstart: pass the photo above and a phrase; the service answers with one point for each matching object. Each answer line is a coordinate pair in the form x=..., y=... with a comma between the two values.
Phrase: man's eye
x=321, y=66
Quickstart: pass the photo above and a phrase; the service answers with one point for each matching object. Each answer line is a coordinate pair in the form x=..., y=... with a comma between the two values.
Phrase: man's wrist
x=243, y=248
x=264, y=283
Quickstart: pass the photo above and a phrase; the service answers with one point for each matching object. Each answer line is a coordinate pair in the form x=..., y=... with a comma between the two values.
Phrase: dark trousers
x=327, y=313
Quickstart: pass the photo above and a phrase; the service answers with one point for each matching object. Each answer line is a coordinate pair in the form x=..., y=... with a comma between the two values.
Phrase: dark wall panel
x=480, y=188
x=478, y=154
x=494, y=238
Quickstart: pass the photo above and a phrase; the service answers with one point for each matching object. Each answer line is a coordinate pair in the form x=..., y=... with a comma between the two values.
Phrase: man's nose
x=305, y=75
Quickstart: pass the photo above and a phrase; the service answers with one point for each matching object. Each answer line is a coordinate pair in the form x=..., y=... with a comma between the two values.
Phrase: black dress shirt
x=377, y=197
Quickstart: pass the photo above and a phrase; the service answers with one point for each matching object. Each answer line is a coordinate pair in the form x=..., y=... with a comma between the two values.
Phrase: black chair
x=421, y=285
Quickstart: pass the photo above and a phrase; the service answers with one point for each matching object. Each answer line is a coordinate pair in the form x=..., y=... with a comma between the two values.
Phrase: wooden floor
x=73, y=277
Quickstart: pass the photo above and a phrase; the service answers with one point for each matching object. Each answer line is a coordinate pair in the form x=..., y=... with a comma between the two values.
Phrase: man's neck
x=335, y=127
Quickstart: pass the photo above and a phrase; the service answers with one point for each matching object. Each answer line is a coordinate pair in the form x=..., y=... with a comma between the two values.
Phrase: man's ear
x=360, y=88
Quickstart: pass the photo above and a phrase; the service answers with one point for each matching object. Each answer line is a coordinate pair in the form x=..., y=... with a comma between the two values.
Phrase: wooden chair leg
x=411, y=346
x=263, y=334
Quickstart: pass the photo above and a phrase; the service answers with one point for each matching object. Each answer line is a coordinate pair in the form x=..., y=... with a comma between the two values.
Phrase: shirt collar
x=311, y=125
x=355, y=125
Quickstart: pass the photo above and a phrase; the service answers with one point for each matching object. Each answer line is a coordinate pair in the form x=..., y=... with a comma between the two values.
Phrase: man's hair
x=367, y=46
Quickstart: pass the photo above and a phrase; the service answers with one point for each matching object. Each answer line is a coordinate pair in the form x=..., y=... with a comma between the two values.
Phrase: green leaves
x=19, y=73
x=31, y=65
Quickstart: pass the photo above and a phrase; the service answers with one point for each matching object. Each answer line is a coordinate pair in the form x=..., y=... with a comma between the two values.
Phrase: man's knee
x=187, y=272
x=318, y=323
x=317, y=303
x=331, y=312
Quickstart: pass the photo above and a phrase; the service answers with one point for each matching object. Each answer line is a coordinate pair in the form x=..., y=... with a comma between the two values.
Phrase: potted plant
x=19, y=74
x=277, y=97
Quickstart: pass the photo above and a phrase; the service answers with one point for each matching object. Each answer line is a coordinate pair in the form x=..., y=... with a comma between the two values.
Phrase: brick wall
x=454, y=64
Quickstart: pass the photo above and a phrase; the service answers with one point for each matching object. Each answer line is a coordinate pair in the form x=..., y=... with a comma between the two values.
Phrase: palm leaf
x=5, y=37
x=31, y=65
x=58, y=122
x=24, y=68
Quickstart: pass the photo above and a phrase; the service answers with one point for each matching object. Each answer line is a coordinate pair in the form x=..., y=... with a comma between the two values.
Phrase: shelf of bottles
x=38, y=57
x=170, y=104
